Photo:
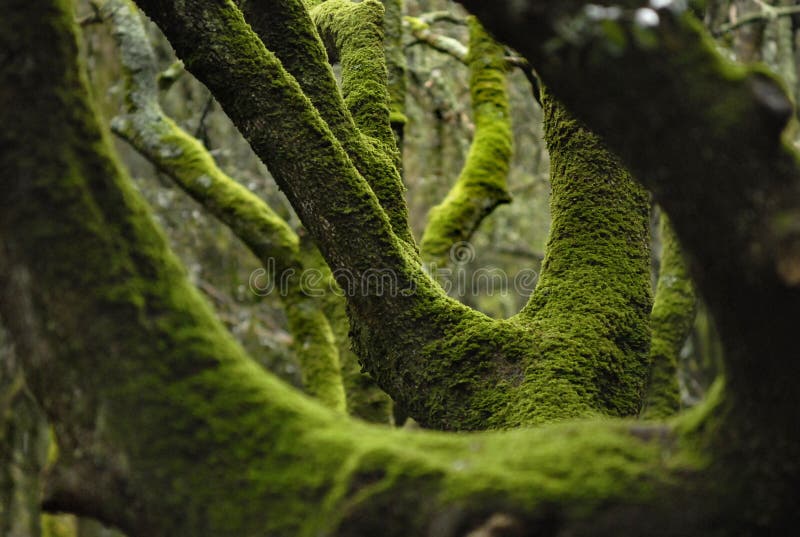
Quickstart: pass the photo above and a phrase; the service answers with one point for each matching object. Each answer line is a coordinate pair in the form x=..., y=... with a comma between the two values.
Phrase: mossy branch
x=446, y=365
x=673, y=314
x=335, y=203
x=354, y=32
x=705, y=136
x=400, y=319
x=184, y=159
x=421, y=30
x=396, y=66
x=481, y=186
x=593, y=298
x=286, y=29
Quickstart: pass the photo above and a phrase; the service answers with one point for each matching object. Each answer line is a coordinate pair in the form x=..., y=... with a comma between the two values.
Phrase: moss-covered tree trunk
x=719, y=166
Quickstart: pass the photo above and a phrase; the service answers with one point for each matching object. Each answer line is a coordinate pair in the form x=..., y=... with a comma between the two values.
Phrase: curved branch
x=212, y=444
x=355, y=33
x=715, y=162
x=673, y=314
x=481, y=187
x=408, y=334
x=183, y=158
x=705, y=136
x=593, y=298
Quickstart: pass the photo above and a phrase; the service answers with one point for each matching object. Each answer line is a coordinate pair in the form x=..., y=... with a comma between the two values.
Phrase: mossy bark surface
x=592, y=303
x=672, y=319
x=705, y=135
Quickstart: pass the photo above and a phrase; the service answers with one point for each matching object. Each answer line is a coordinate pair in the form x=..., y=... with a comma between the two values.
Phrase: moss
x=396, y=65
x=296, y=43
x=184, y=159
x=365, y=399
x=356, y=32
x=209, y=443
x=59, y=526
x=592, y=302
x=481, y=186
x=672, y=318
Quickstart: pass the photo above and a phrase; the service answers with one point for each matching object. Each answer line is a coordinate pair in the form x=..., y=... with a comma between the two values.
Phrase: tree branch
x=420, y=29
x=183, y=158
x=593, y=298
x=285, y=27
x=481, y=186
x=673, y=314
x=767, y=13
x=212, y=444
x=355, y=34
x=332, y=199
x=705, y=136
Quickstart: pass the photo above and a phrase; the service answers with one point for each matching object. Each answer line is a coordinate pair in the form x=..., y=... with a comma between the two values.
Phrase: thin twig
x=767, y=13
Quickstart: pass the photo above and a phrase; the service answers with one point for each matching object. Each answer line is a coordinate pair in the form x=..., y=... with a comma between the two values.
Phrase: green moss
x=481, y=186
x=592, y=302
x=357, y=36
x=396, y=65
x=209, y=444
x=59, y=526
x=357, y=31
x=184, y=159
x=672, y=318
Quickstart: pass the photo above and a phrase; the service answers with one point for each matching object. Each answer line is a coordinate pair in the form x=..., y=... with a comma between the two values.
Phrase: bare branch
x=767, y=13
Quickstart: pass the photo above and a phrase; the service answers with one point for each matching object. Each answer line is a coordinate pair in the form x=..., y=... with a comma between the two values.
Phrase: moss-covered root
x=593, y=299
x=481, y=186
x=184, y=159
x=671, y=321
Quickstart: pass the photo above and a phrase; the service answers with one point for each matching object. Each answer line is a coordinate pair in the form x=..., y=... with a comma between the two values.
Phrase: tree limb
x=213, y=445
x=481, y=186
x=672, y=318
x=285, y=27
x=705, y=136
x=183, y=158
x=767, y=13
